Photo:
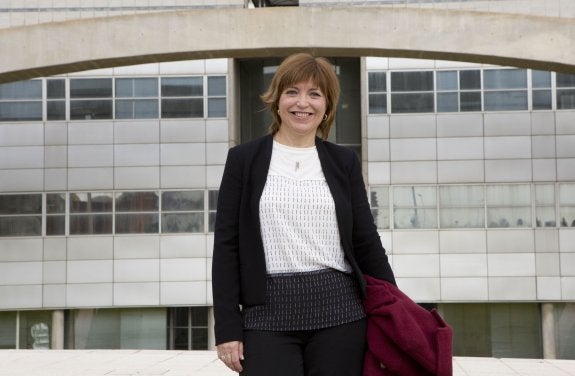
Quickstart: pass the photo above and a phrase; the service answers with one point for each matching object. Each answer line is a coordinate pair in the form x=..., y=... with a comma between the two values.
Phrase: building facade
x=109, y=181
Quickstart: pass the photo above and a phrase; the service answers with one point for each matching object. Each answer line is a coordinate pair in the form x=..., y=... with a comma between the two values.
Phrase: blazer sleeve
x=225, y=262
x=369, y=252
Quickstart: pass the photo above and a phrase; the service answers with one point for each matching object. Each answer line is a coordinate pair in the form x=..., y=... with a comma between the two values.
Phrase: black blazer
x=238, y=266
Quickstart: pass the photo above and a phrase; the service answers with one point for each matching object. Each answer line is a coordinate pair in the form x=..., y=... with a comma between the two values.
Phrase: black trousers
x=334, y=351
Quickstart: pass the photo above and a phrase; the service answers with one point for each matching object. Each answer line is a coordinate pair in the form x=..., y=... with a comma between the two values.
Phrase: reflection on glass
x=35, y=329
x=504, y=79
x=216, y=86
x=447, y=102
x=377, y=82
x=182, y=86
x=182, y=200
x=141, y=223
x=20, y=225
x=20, y=111
x=505, y=100
x=415, y=207
x=412, y=102
x=90, y=88
x=509, y=205
x=55, y=225
x=136, y=87
x=447, y=80
x=90, y=109
x=379, y=202
x=21, y=204
x=182, y=222
x=137, y=109
x=412, y=81
x=7, y=330
x=217, y=107
x=377, y=103
x=137, y=201
x=55, y=203
x=183, y=108
x=90, y=202
x=30, y=89
x=90, y=224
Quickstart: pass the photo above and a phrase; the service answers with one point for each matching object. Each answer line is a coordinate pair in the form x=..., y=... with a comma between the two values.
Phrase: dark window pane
x=21, y=204
x=137, y=201
x=182, y=200
x=200, y=339
x=412, y=81
x=137, y=223
x=183, y=222
x=21, y=90
x=565, y=99
x=470, y=101
x=56, y=89
x=55, y=225
x=91, y=88
x=412, y=103
x=20, y=111
x=469, y=79
x=90, y=110
x=447, y=102
x=183, y=108
x=540, y=79
x=55, y=203
x=447, y=80
x=91, y=224
x=56, y=110
x=87, y=202
x=21, y=226
x=377, y=103
x=505, y=100
x=137, y=109
x=136, y=87
x=565, y=80
x=504, y=78
x=216, y=86
x=217, y=107
x=213, y=199
x=180, y=316
x=212, y=221
x=377, y=82
x=199, y=316
x=181, y=339
x=182, y=87
x=541, y=99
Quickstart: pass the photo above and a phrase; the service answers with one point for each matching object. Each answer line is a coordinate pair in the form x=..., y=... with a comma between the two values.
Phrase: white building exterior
x=109, y=179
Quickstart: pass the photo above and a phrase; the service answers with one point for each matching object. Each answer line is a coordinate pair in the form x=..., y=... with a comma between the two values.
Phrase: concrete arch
x=503, y=39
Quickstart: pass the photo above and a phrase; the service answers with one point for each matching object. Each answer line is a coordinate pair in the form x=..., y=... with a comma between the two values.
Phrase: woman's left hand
x=231, y=353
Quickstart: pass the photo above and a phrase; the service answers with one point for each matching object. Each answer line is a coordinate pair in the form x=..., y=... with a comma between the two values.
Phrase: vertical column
x=211, y=333
x=57, y=330
x=548, y=331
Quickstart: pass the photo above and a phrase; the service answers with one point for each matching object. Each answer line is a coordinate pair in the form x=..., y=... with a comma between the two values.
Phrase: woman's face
x=301, y=108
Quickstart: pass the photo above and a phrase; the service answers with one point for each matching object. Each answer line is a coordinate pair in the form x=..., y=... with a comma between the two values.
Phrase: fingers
x=231, y=353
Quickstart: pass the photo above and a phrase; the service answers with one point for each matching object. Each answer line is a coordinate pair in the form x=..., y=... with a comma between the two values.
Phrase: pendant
x=297, y=165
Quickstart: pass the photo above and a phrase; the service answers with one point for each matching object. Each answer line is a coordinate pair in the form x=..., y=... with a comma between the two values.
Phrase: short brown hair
x=303, y=67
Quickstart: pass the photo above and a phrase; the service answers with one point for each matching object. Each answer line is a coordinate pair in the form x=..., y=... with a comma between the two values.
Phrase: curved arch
x=502, y=39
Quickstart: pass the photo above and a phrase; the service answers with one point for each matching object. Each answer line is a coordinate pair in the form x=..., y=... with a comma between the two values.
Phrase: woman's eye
x=290, y=92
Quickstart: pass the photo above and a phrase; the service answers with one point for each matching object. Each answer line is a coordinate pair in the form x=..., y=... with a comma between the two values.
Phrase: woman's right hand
x=231, y=353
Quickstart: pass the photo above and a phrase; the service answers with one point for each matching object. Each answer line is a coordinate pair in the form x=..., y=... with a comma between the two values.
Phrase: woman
x=294, y=237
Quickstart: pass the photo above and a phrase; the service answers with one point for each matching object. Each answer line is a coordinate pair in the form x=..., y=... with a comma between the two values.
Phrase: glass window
x=137, y=212
x=447, y=80
x=21, y=215
x=447, y=91
x=379, y=202
x=509, y=205
x=35, y=330
x=412, y=92
x=470, y=101
x=56, y=99
x=182, y=97
x=91, y=213
x=499, y=330
x=7, y=330
x=212, y=207
x=182, y=211
x=540, y=79
x=55, y=214
x=377, y=88
x=447, y=102
x=545, y=205
x=461, y=206
x=470, y=79
x=127, y=328
x=188, y=328
x=31, y=89
x=564, y=314
x=217, y=96
x=565, y=91
x=415, y=207
x=90, y=98
x=20, y=111
x=567, y=205
x=137, y=98
x=495, y=79
x=497, y=84
x=182, y=87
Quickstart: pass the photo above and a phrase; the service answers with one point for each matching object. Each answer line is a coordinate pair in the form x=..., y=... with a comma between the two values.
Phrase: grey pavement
x=205, y=363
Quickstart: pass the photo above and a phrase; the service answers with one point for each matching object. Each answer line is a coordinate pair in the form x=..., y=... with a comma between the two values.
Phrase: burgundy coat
x=403, y=338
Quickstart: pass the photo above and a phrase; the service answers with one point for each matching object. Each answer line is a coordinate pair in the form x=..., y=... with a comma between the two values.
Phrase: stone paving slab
x=205, y=363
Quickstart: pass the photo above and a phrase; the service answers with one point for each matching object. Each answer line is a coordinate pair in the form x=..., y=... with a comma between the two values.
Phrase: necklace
x=297, y=165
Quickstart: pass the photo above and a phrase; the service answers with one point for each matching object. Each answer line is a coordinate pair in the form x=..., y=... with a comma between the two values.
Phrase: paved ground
x=205, y=363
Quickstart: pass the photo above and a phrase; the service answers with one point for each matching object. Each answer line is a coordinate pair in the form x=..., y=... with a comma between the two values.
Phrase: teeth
x=301, y=114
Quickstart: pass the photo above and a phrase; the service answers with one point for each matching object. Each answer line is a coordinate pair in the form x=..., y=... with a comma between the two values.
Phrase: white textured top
x=297, y=215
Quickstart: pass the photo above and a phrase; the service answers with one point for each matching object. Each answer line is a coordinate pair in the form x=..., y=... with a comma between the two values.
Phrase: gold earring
x=324, y=117
x=278, y=111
